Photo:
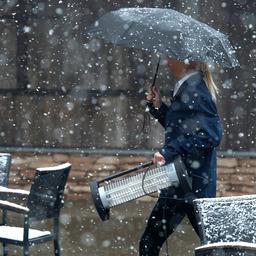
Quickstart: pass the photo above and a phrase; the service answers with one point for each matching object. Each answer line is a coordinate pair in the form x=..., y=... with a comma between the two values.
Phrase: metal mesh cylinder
x=132, y=187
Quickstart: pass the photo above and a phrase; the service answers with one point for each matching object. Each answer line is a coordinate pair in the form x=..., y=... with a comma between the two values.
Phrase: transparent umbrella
x=167, y=32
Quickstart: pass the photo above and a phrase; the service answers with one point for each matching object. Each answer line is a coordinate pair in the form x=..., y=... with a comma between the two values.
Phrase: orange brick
x=246, y=170
x=60, y=158
x=247, y=162
x=227, y=162
x=243, y=179
x=226, y=170
x=110, y=160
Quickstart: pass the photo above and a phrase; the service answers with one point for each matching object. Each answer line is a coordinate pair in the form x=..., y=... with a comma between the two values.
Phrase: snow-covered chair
x=5, y=165
x=43, y=201
x=227, y=226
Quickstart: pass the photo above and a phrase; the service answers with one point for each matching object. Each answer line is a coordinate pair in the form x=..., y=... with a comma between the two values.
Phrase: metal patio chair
x=5, y=165
x=227, y=226
x=43, y=201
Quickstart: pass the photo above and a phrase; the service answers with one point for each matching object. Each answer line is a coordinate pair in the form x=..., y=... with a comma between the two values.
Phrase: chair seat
x=16, y=233
x=226, y=248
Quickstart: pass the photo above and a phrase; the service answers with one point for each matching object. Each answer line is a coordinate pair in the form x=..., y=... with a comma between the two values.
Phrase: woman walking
x=192, y=131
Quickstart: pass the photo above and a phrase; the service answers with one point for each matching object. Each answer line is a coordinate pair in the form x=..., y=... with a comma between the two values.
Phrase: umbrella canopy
x=167, y=32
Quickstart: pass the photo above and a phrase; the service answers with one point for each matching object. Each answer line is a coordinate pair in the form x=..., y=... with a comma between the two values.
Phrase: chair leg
x=56, y=235
x=26, y=250
x=5, y=249
x=56, y=247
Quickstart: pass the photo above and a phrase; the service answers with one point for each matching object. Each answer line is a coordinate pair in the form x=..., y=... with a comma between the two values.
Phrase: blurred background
x=59, y=89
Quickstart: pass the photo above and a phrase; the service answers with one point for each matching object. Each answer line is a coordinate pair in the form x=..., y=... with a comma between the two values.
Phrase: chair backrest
x=5, y=164
x=47, y=191
x=227, y=219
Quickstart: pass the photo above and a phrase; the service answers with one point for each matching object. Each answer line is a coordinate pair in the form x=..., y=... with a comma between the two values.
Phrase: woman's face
x=177, y=67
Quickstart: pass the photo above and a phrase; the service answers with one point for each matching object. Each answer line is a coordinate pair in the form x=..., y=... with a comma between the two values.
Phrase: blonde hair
x=204, y=68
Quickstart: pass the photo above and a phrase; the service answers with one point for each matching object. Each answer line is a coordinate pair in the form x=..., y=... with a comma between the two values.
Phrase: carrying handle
x=136, y=168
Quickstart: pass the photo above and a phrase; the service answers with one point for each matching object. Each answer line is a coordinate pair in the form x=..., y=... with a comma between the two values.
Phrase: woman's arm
x=160, y=113
x=155, y=105
x=207, y=135
x=198, y=124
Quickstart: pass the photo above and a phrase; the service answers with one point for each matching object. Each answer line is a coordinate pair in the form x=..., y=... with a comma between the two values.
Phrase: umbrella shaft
x=155, y=76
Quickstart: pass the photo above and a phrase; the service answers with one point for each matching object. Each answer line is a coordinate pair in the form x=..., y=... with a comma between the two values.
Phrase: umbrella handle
x=154, y=81
x=155, y=76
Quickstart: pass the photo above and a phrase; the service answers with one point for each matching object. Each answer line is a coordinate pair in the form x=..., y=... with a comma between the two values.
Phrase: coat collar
x=182, y=80
x=193, y=79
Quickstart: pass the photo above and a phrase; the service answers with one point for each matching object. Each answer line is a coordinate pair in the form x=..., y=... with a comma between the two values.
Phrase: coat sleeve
x=198, y=124
x=160, y=113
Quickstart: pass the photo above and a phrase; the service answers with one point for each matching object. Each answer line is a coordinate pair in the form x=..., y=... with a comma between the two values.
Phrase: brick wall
x=236, y=176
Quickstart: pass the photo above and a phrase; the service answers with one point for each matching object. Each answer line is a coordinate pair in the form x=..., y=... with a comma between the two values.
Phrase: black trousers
x=164, y=218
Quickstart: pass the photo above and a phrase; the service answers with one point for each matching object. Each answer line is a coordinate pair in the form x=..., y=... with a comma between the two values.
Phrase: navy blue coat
x=193, y=131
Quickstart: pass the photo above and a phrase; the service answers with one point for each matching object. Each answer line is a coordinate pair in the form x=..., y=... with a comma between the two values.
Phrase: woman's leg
x=164, y=218
x=190, y=211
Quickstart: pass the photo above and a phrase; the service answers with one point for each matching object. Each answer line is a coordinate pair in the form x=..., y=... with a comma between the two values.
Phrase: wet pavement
x=84, y=234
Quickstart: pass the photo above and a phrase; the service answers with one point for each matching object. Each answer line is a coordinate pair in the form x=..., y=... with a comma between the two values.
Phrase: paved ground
x=84, y=234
